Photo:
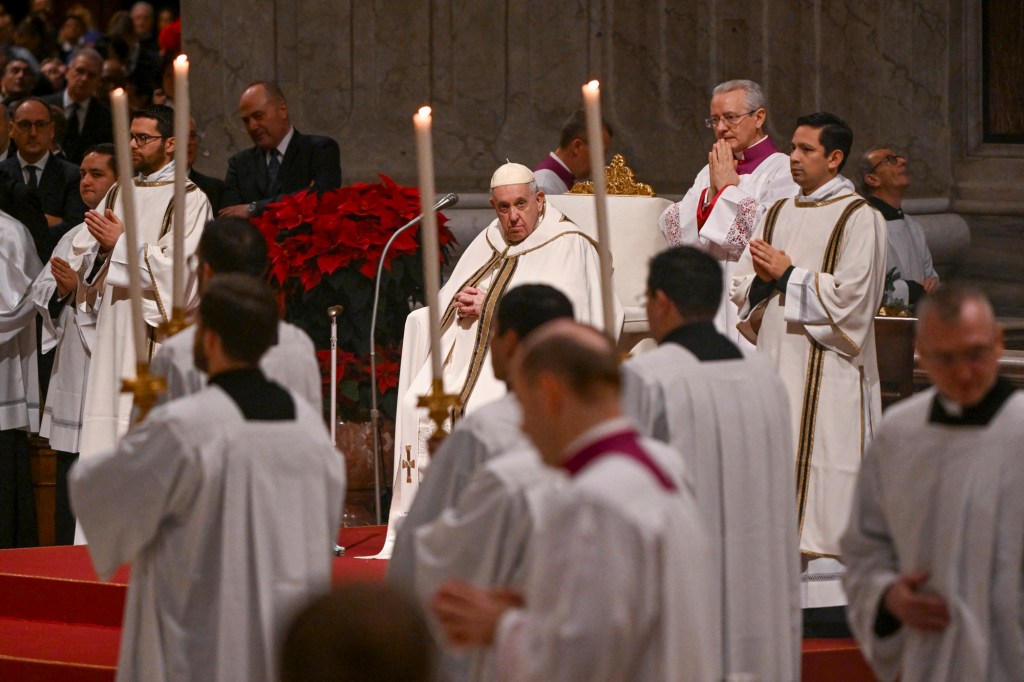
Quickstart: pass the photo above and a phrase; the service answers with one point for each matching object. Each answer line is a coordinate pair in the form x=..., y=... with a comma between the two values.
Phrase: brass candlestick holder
x=439, y=406
x=145, y=387
x=174, y=325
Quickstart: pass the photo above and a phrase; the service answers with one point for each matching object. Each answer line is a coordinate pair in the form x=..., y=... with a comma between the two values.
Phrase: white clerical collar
x=40, y=164
x=283, y=146
x=831, y=189
x=952, y=408
x=739, y=155
x=596, y=433
x=559, y=161
x=165, y=174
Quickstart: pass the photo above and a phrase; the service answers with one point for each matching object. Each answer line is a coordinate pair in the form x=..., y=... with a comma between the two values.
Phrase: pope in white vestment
x=721, y=221
x=107, y=410
x=728, y=416
x=818, y=331
x=529, y=242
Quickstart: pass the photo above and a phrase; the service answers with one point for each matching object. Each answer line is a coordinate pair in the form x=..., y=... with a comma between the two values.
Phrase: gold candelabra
x=439, y=407
x=145, y=388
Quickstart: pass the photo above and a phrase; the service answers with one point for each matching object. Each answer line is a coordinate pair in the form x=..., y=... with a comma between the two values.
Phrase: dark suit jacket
x=23, y=204
x=212, y=187
x=58, y=194
x=98, y=128
x=311, y=161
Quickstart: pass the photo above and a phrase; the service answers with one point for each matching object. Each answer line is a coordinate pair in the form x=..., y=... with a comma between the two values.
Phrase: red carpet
x=59, y=623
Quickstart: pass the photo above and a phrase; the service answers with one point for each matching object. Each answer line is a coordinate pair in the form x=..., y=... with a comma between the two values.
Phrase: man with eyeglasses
x=530, y=241
x=745, y=175
x=562, y=168
x=935, y=544
x=884, y=180
x=808, y=289
x=99, y=256
x=54, y=179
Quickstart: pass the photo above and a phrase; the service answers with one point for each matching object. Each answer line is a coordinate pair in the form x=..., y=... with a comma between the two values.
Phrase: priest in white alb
x=71, y=333
x=235, y=245
x=808, y=289
x=529, y=242
x=619, y=574
x=745, y=175
x=226, y=503
x=474, y=516
x=728, y=416
x=99, y=256
x=935, y=545
x=19, y=383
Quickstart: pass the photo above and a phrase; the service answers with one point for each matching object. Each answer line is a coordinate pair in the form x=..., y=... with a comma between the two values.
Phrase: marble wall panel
x=502, y=76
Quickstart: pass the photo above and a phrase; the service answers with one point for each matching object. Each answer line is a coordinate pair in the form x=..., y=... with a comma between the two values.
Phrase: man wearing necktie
x=54, y=179
x=283, y=160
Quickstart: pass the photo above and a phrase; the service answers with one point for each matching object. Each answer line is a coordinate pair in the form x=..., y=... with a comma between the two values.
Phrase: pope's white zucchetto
x=511, y=174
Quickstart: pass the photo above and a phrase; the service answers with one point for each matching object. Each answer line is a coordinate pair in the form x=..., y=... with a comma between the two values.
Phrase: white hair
x=755, y=96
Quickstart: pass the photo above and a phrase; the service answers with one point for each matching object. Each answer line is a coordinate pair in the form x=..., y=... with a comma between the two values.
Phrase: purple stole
x=551, y=164
x=622, y=444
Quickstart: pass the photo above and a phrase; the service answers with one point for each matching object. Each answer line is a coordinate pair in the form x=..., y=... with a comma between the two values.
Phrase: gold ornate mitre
x=619, y=180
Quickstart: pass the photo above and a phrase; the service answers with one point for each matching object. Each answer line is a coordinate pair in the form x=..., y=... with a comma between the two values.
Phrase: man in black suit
x=212, y=187
x=89, y=120
x=282, y=161
x=55, y=180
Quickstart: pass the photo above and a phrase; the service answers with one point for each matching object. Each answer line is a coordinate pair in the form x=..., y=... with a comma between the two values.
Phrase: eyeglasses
x=25, y=126
x=730, y=119
x=891, y=159
x=141, y=139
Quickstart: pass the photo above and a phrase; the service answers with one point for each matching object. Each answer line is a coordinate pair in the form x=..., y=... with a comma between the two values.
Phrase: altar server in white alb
x=745, y=175
x=884, y=178
x=235, y=245
x=19, y=383
x=530, y=241
x=99, y=256
x=618, y=583
x=488, y=490
x=936, y=538
x=226, y=503
x=70, y=332
x=729, y=418
x=808, y=289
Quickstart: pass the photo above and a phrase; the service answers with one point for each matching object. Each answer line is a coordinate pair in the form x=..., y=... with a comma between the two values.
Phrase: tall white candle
x=595, y=140
x=126, y=177
x=431, y=267
x=181, y=134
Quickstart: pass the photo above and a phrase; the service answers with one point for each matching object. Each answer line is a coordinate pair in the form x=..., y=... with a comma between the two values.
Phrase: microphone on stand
x=444, y=202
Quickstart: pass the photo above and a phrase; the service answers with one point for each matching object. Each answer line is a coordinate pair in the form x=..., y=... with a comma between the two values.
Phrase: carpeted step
x=41, y=651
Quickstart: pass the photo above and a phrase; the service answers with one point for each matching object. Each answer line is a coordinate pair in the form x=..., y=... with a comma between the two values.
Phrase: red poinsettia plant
x=324, y=251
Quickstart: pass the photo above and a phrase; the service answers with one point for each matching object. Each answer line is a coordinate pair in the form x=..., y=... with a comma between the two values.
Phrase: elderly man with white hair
x=528, y=242
x=746, y=173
